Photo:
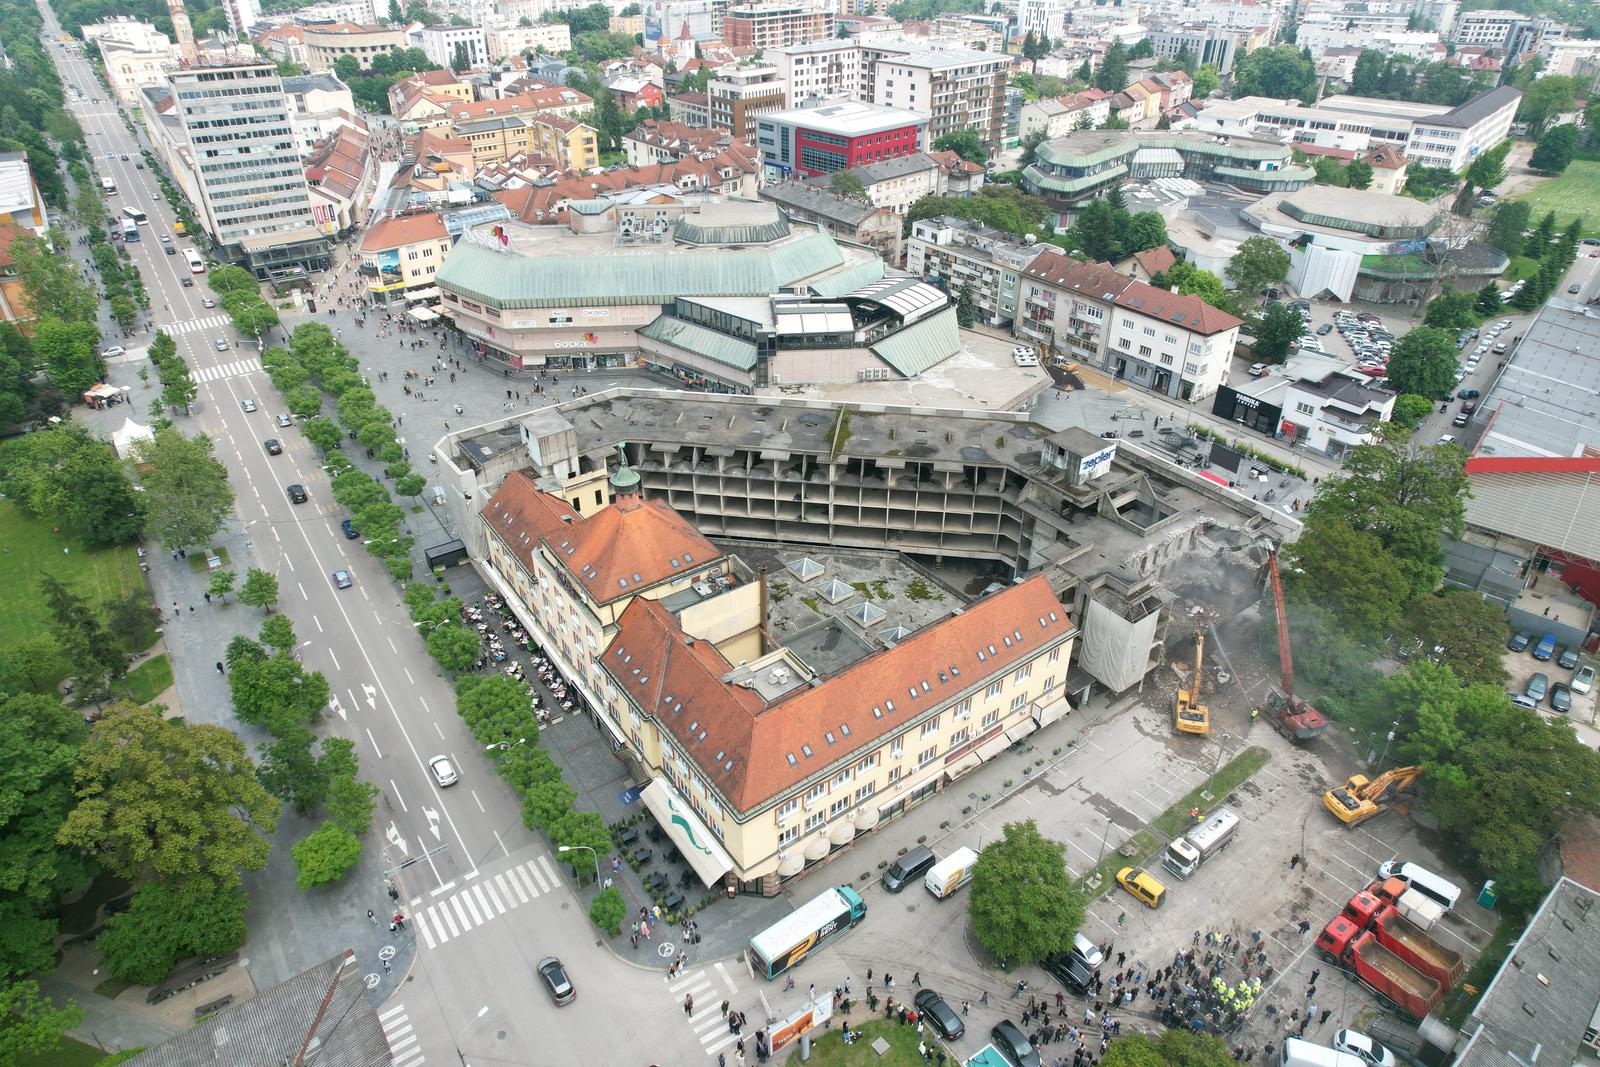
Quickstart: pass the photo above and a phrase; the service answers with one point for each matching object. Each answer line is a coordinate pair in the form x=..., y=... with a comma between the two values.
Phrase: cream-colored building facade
x=759, y=766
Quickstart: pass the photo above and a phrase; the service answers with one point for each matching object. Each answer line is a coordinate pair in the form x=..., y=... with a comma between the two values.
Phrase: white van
x=950, y=873
x=1297, y=1053
x=1424, y=881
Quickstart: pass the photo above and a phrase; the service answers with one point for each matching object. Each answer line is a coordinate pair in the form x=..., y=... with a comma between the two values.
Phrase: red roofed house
x=760, y=765
x=401, y=256
x=1388, y=165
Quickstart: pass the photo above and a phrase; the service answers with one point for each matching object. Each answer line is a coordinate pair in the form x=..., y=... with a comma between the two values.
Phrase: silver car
x=444, y=772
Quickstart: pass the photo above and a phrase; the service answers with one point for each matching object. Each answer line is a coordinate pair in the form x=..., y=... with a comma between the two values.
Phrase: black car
x=1520, y=640
x=908, y=867
x=1468, y=394
x=556, y=982
x=187, y=282
x=932, y=1007
x=273, y=447
x=1013, y=1044
x=1070, y=970
x=1567, y=657
x=297, y=494
x=169, y=250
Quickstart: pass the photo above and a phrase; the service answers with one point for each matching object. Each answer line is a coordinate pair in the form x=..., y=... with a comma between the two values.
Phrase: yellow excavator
x=1189, y=715
x=1360, y=798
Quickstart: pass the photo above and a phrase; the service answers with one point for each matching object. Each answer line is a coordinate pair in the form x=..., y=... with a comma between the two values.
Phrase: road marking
x=462, y=906
x=318, y=622
x=290, y=562
x=373, y=741
x=397, y=1030
x=723, y=971
x=335, y=659
x=396, y=651
x=302, y=589
x=424, y=704
x=516, y=887
x=501, y=842
x=550, y=870
x=437, y=730
x=521, y=872
x=443, y=889
x=407, y=673
x=450, y=921
x=494, y=898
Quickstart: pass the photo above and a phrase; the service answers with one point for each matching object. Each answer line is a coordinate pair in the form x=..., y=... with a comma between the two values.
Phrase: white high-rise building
x=242, y=14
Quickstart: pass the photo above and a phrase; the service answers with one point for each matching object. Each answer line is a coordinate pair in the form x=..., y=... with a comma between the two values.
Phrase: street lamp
x=506, y=745
x=456, y=1041
x=592, y=852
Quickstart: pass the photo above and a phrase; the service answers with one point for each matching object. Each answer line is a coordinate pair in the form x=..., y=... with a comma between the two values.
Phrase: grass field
x=1576, y=194
x=70, y=1054
x=32, y=549
x=829, y=1050
x=147, y=681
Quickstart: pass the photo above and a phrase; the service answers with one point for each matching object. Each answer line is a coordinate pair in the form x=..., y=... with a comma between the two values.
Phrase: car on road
x=297, y=494
x=186, y=281
x=283, y=420
x=908, y=867
x=1257, y=369
x=169, y=250
x=932, y=1007
x=1460, y=419
x=220, y=344
x=138, y=166
x=1520, y=640
x=1144, y=886
x=444, y=772
x=124, y=157
x=341, y=579
x=1574, y=288
x=249, y=405
x=1447, y=439
x=1499, y=348
x=1014, y=1044
x=165, y=239
x=1545, y=648
x=113, y=352
x=1538, y=685
x=1566, y=657
x=208, y=303
x=1468, y=394
x=1583, y=680
x=1070, y=971
x=350, y=531
x=272, y=446
x=1561, y=697
x=554, y=977
x=1325, y=329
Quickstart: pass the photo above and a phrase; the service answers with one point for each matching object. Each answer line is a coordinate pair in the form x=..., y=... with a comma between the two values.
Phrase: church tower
x=183, y=32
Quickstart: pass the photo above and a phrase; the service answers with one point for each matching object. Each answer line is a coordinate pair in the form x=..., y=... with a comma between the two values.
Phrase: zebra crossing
x=484, y=900
x=210, y=322
x=403, y=1048
x=707, y=1020
x=226, y=370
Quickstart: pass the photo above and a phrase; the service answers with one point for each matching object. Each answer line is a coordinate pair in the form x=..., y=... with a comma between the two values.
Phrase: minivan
x=908, y=868
x=1424, y=881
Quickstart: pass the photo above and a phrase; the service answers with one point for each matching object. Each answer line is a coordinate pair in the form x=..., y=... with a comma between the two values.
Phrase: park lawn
x=830, y=1050
x=1575, y=194
x=70, y=1054
x=1521, y=267
x=148, y=680
x=32, y=549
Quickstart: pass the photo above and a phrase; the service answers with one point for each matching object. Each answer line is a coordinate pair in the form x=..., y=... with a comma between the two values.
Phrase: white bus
x=196, y=264
x=136, y=216
x=109, y=186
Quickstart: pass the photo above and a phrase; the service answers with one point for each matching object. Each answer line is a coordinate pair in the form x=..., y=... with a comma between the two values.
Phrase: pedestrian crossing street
x=403, y=1048
x=210, y=322
x=484, y=900
x=227, y=370
x=709, y=987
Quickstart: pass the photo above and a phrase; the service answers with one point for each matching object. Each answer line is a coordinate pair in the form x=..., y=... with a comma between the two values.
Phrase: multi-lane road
x=486, y=899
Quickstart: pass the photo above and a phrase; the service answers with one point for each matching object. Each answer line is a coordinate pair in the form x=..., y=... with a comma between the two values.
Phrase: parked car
x=1014, y=1044
x=932, y=1007
x=1561, y=697
x=1144, y=886
x=1545, y=648
x=1583, y=680
x=554, y=978
x=350, y=532
x=908, y=868
x=1566, y=657
x=1520, y=640
x=1257, y=369
x=1574, y=288
x=444, y=772
x=1359, y=1044
x=1538, y=685
x=1325, y=329
x=113, y=352
x=1070, y=971
x=272, y=446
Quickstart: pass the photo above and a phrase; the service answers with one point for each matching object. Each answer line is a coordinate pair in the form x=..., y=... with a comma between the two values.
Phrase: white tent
x=123, y=440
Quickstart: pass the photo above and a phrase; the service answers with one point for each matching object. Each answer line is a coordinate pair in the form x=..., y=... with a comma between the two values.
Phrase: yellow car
x=1143, y=885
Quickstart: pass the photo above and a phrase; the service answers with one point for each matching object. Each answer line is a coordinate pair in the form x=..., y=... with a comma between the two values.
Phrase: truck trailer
x=1406, y=939
x=1185, y=855
x=1346, y=945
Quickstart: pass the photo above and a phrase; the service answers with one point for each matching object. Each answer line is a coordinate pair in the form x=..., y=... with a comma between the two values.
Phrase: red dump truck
x=1346, y=945
x=1406, y=939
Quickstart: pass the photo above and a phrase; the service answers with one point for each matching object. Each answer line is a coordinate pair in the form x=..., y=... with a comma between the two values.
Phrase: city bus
x=196, y=264
x=130, y=232
x=135, y=215
x=109, y=186
x=786, y=942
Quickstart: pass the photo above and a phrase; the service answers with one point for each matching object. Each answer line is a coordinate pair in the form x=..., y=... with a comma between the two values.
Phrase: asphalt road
x=485, y=897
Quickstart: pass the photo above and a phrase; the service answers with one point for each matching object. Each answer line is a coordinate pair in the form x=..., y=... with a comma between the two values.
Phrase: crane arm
x=1285, y=656
x=1199, y=651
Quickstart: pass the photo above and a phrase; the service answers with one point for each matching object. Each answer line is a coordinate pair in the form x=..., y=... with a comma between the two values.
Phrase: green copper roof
x=915, y=349
x=508, y=280
x=849, y=280
x=692, y=337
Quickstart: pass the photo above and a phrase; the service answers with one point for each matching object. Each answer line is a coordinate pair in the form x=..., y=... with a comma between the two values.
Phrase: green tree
x=31, y=665
x=1506, y=228
x=171, y=800
x=967, y=144
x=260, y=589
x=1460, y=629
x=1258, y=263
x=351, y=802
x=67, y=350
x=1030, y=148
x=1423, y=362
x=133, y=619
x=123, y=311
x=277, y=633
x=1410, y=410
x=1546, y=98
x=848, y=184
x=1489, y=300
x=1192, y=281
x=1146, y=230
x=1489, y=169
x=1279, y=72
x=1276, y=329
x=1143, y=49
x=166, y=923
x=545, y=804
x=1112, y=74
x=324, y=856
x=251, y=315
x=1555, y=150
x=966, y=307
x=224, y=280
x=186, y=491
x=274, y=690
x=1451, y=310
x=1346, y=572
x=222, y=583
x=1023, y=904
x=30, y=1024
x=323, y=433
x=51, y=284
x=69, y=476
x=1359, y=174
x=454, y=646
x=1206, y=80
x=579, y=830
x=1365, y=80
x=1100, y=231
x=39, y=742
x=495, y=708
x=607, y=910
x=96, y=658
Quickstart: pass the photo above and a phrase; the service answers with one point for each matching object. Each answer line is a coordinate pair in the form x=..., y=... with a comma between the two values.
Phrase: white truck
x=1185, y=855
x=950, y=873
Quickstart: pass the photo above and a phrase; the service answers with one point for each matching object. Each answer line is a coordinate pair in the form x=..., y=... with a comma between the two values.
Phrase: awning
x=817, y=848
x=1050, y=712
x=423, y=314
x=708, y=858
x=1021, y=730
x=791, y=864
x=993, y=747
x=866, y=819
x=430, y=293
x=842, y=832
x=962, y=765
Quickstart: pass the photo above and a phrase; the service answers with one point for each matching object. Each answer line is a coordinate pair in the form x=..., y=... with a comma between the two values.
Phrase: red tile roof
x=1099, y=281
x=754, y=751
x=1155, y=260
x=394, y=233
x=1386, y=157
x=1177, y=309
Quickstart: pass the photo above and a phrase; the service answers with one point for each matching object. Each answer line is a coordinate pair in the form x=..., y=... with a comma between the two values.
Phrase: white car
x=1359, y=1044
x=444, y=772
x=1504, y=324
x=1447, y=439
x=113, y=352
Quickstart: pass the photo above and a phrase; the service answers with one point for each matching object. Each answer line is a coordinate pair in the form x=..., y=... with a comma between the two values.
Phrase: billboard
x=389, y=269
x=653, y=29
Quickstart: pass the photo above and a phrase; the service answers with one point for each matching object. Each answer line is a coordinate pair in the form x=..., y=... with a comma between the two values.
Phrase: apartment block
x=835, y=136
x=957, y=90
x=541, y=37
x=440, y=44
x=737, y=95
x=777, y=23
x=1057, y=116
x=957, y=255
x=1511, y=32
x=325, y=43
x=822, y=70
